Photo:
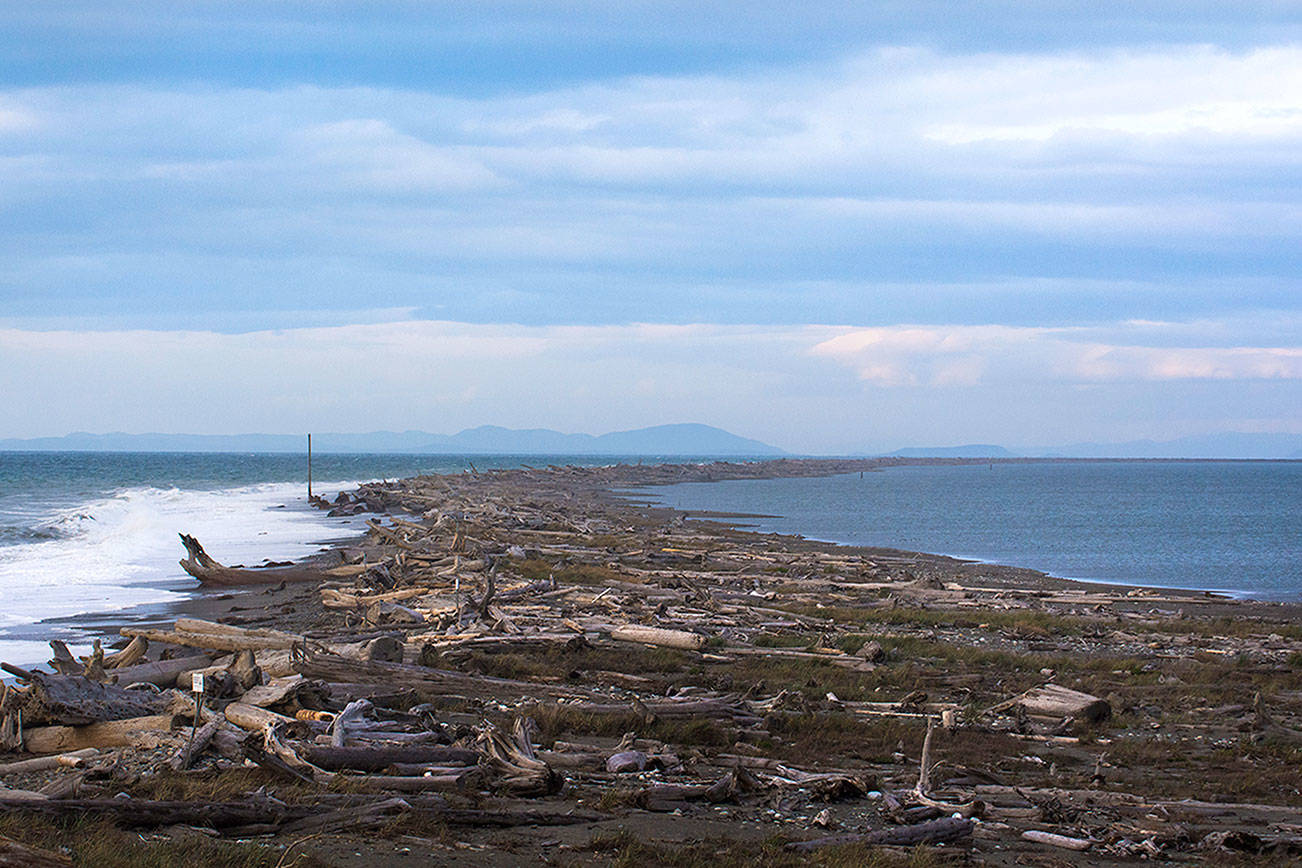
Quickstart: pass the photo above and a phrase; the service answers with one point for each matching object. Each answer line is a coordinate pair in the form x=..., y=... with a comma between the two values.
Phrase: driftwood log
x=940, y=831
x=139, y=731
x=377, y=758
x=1052, y=700
x=210, y=572
x=73, y=700
x=16, y=855
x=659, y=636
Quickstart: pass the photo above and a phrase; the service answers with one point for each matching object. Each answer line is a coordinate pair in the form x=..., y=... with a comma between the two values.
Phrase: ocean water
x=1227, y=526
x=84, y=532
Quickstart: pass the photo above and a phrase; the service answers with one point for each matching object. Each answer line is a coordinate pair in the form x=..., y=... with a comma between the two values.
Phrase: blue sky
x=848, y=226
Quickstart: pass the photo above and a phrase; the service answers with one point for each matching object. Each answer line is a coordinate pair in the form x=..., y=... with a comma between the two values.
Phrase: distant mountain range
x=1228, y=444
x=660, y=440
x=974, y=450
x=682, y=439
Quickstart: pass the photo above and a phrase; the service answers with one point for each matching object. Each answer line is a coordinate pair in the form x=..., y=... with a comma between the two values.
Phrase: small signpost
x=196, y=687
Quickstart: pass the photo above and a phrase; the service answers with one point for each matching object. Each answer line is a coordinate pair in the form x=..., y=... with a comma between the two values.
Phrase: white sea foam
x=122, y=551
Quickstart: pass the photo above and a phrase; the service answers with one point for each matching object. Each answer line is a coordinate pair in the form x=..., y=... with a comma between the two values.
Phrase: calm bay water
x=1231, y=526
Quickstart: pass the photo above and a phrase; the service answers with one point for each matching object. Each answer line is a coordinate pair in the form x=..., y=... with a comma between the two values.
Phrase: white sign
x=196, y=682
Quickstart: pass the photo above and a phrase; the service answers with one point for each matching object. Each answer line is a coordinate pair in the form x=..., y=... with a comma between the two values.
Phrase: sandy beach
x=636, y=686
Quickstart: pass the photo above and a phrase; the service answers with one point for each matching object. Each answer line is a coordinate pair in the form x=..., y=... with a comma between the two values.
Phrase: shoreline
x=526, y=663
x=207, y=603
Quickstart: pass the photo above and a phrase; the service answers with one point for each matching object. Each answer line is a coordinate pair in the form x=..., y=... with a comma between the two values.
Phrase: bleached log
x=214, y=641
x=44, y=763
x=137, y=731
x=163, y=673
x=128, y=656
x=1054, y=840
x=253, y=718
x=659, y=636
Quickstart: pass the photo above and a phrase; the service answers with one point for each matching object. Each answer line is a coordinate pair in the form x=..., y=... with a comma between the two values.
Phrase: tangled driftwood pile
x=387, y=704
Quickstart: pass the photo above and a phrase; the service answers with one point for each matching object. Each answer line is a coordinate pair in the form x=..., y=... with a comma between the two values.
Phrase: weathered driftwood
x=383, y=648
x=62, y=760
x=659, y=636
x=209, y=572
x=262, y=816
x=16, y=855
x=449, y=782
x=214, y=641
x=1054, y=840
x=132, y=654
x=293, y=691
x=941, y=831
x=717, y=709
x=1055, y=701
x=253, y=718
x=163, y=673
x=73, y=700
x=353, y=818
x=62, y=661
x=147, y=813
x=146, y=732
x=197, y=744
x=378, y=758
x=516, y=770
x=333, y=668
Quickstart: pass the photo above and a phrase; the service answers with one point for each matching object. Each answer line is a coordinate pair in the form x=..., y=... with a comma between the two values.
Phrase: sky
x=834, y=227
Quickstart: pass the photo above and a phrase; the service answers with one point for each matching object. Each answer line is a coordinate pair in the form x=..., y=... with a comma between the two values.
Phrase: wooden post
x=309, y=467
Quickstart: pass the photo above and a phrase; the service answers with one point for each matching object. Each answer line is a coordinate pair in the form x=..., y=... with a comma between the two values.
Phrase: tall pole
x=309, y=467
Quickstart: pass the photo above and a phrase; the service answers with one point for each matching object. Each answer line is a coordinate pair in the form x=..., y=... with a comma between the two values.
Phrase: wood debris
x=530, y=634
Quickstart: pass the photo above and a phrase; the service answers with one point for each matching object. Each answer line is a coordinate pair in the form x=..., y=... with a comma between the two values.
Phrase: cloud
x=967, y=355
x=371, y=154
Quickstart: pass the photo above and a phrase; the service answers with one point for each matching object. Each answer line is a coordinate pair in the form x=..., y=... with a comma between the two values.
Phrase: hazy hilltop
x=667, y=440
x=1226, y=444
x=973, y=450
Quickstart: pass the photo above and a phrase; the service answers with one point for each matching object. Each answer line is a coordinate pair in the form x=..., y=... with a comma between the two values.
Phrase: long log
x=214, y=641
x=139, y=731
x=1054, y=840
x=940, y=831
x=659, y=636
x=374, y=759
x=147, y=813
x=442, y=783
x=164, y=673
x=333, y=668
x=44, y=763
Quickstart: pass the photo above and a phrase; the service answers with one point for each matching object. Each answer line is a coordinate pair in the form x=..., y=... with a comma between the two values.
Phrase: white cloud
x=941, y=356
x=371, y=153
